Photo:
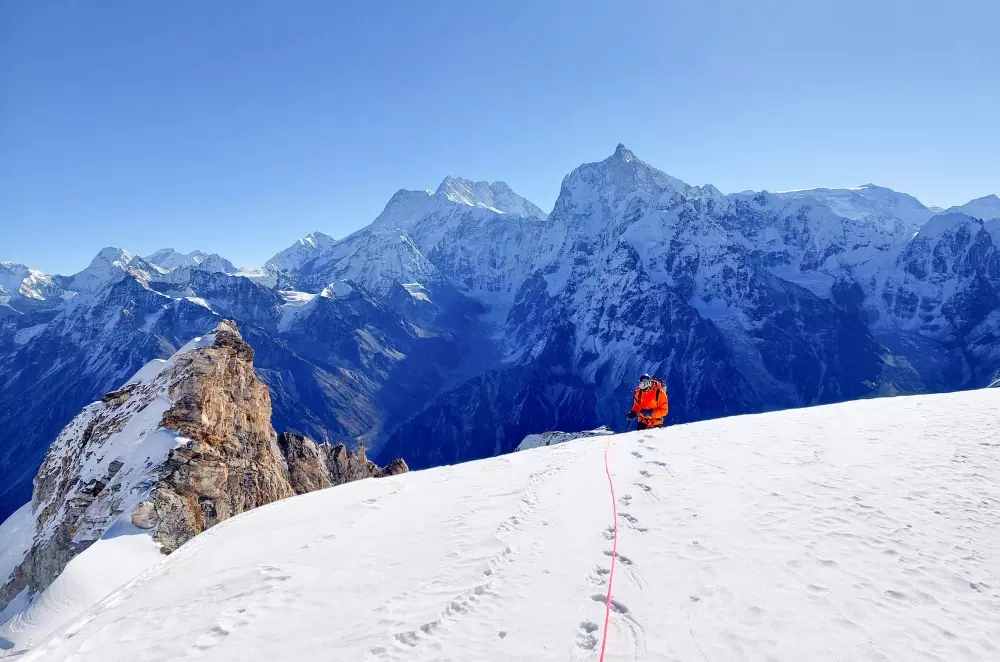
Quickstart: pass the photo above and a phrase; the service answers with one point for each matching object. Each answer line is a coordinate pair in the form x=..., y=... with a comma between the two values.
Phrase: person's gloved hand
x=630, y=415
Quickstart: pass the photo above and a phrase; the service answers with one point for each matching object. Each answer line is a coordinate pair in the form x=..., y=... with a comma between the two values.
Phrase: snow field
x=867, y=530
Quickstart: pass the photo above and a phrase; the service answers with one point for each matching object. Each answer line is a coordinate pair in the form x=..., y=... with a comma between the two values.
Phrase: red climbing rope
x=614, y=547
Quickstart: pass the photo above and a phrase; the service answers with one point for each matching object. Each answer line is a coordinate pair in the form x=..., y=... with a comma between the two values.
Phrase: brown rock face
x=313, y=466
x=307, y=470
x=232, y=462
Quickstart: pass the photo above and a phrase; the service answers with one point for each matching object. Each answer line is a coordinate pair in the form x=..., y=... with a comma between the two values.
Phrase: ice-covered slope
x=866, y=530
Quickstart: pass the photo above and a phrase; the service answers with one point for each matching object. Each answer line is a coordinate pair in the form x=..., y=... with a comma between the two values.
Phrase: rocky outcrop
x=231, y=462
x=185, y=444
x=313, y=466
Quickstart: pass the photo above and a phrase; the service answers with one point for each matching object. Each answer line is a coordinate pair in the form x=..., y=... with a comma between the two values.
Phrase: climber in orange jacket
x=649, y=403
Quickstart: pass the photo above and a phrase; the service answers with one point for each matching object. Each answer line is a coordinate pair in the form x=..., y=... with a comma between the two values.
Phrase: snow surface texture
x=16, y=534
x=867, y=530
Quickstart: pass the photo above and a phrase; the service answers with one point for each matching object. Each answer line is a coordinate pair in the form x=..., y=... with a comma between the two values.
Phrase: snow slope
x=867, y=530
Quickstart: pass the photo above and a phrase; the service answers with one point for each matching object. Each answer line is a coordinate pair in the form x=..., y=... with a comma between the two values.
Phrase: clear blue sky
x=238, y=126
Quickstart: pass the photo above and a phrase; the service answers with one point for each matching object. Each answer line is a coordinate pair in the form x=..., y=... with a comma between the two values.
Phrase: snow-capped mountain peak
x=170, y=259
x=496, y=196
x=18, y=280
x=110, y=265
x=986, y=208
x=865, y=201
x=623, y=153
x=302, y=251
x=111, y=257
x=597, y=192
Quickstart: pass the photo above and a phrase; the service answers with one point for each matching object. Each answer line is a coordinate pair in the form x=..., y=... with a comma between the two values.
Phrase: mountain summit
x=169, y=259
x=496, y=195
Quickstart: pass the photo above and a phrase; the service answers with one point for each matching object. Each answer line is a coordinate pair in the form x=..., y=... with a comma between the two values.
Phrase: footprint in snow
x=624, y=560
x=624, y=499
x=599, y=575
x=616, y=606
x=637, y=454
x=585, y=638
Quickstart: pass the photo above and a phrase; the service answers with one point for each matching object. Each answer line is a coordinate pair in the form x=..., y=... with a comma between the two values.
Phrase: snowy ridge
x=169, y=259
x=110, y=266
x=823, y=534
x=865, y=202
x=496, y=196
x=986, y=208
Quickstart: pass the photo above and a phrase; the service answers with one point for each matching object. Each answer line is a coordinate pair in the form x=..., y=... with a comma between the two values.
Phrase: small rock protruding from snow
x=554, y=437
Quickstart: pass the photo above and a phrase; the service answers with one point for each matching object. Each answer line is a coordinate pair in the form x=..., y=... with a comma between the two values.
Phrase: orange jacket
x=655, y=399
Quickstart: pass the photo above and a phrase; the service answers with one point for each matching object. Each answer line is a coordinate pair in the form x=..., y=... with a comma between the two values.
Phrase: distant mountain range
x=463, y=319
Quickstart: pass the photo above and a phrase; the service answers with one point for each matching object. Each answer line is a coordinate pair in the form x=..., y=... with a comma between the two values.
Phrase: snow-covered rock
x=555, y=437
x=184, y=444
x=853, y=531
x=170, y=259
